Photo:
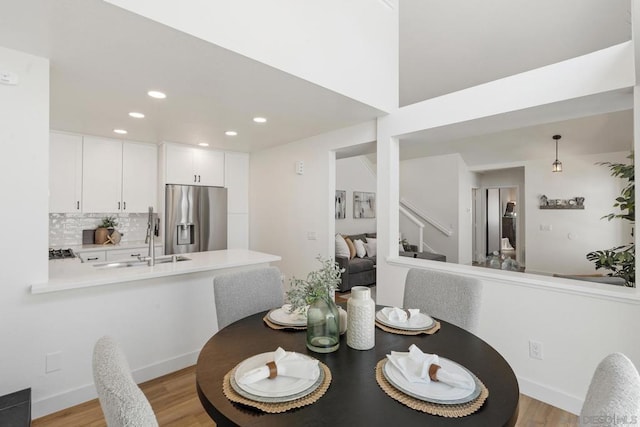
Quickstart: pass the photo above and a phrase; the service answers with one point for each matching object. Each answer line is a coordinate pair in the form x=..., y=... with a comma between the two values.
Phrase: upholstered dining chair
x=243, y=293
x=451, y=297
x=614, y=391
x=122, y=401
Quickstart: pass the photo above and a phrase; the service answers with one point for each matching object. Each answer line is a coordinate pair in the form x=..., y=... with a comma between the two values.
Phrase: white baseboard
x=550, y=396
x=85, y=393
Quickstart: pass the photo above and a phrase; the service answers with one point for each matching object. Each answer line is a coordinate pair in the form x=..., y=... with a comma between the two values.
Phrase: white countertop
x=67, y=274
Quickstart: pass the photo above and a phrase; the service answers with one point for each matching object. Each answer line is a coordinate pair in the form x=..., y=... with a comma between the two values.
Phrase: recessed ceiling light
x=136, y=115
x=231, y=133
x=203, y=144
x=259, y=120
x=156, y=94
x=120, y=131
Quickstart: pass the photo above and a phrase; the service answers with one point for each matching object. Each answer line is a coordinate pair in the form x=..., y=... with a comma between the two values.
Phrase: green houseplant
x=620, y=260
x=316, y=292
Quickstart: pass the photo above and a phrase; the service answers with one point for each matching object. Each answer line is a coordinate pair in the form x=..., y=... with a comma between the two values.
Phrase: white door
x=209, y=167
x=139, y=177
x=65, y=173
x=179, y=164
x=102, y=175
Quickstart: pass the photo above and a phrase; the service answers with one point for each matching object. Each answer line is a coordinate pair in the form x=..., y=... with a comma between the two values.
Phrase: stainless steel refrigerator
x=195, y=220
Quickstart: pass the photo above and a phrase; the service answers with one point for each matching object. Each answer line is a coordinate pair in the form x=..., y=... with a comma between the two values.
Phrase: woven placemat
x=435, y=328
x=447, y=411
x=272, y=325
x=276, y=408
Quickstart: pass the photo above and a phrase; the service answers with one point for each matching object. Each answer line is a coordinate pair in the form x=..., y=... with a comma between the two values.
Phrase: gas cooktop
x=61, y=253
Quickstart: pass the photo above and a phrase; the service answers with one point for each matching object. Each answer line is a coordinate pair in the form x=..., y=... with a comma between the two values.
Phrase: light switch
x=53, y=362
x=546, y=227
x=311, y=235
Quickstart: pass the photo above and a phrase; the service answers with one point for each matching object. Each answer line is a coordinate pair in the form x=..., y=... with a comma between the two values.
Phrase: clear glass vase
x=323, y=326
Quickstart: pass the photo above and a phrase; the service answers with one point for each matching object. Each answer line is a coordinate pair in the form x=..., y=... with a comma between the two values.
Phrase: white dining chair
x=614, y=391
x=243, y=293
x=451, y=297
x=122, y=401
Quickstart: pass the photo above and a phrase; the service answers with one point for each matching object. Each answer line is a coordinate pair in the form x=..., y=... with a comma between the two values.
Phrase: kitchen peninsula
x=67, y=274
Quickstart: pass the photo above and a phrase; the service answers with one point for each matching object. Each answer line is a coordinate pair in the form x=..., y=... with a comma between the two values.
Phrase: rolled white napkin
x=299, y=314
x=419, y=367
x=399, y=315
x=287, y=364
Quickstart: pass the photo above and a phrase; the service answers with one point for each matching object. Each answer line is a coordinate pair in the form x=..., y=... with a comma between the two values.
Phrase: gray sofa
x=357, y=271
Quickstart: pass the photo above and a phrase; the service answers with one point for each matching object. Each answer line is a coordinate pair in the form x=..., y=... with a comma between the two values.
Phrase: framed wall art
x=364, y=204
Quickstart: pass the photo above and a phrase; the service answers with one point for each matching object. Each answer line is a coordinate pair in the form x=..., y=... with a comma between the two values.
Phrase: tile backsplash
x=66, y=229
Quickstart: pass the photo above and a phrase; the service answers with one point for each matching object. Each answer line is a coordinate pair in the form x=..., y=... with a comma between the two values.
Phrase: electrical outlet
x=535, y=350
x=53, y=362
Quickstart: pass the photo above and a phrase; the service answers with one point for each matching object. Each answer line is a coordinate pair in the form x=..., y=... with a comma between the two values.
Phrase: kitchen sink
x=159, y=260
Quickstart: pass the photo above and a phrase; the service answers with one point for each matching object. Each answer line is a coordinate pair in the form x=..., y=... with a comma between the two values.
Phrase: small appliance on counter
x=61, y=253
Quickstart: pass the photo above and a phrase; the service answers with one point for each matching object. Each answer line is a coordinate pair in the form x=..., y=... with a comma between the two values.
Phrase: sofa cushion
x=372, y=235
x=361, y=251
x=371, y=247
x=357, y=265
x=342, y=249
x=352, y=247
x=355, y=237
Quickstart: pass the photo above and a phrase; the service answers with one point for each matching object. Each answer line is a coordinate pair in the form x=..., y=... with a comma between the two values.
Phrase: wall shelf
x=562, y=207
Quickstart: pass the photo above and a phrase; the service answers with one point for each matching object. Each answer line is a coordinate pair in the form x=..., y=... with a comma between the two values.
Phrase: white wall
x=573, y=233
x=348, y=47
x=286, y=207
x=355, y=174
x=431, y=185
x=162, y=323
x=573, y=320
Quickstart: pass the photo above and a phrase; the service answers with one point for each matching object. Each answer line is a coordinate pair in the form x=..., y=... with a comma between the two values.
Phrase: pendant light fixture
x=557, y=165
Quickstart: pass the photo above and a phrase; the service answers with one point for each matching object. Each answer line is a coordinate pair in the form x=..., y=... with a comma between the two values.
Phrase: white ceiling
x=104, y=60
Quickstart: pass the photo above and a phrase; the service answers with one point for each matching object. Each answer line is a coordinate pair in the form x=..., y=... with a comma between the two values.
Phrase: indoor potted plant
x=103, y=231
x=317, y=293
x=621, y=260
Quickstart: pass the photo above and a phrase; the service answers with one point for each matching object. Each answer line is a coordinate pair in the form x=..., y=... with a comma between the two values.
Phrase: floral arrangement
x=318, y=284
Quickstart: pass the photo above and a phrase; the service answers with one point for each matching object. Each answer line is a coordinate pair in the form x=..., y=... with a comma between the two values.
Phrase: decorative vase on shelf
x=361, y=312
x=323, y=326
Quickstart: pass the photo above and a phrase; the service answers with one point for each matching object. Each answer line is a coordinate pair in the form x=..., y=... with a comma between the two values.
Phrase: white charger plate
x=434, y=392
x=281, y=317
x=280, y=387
x=417, y=322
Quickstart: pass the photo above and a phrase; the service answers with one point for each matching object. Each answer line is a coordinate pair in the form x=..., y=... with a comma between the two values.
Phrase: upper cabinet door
x=179, y=164
x=139, y=177
x=102, y=175
x=65, y=173
x=209, y=167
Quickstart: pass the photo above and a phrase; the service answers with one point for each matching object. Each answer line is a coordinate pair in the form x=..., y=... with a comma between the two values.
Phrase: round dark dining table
x=354, y=398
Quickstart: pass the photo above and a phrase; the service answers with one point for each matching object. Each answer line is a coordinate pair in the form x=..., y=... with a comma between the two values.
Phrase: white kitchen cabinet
x=102, y=175
x=131, y=253
x=139, y=177
x=118, y=176
x=192, y=166
x=238, y=231
x=92, y=256
x=65, y=173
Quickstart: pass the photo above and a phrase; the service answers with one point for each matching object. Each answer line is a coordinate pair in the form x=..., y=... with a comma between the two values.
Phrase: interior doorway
x=501, y=225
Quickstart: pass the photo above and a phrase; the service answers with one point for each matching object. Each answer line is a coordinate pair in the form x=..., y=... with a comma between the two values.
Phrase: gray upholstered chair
x=122, y=401
x=614, y=391
x=248, y=292
x=450, y=297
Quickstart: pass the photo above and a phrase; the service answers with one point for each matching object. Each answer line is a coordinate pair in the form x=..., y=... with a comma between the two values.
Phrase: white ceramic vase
x=361, y=312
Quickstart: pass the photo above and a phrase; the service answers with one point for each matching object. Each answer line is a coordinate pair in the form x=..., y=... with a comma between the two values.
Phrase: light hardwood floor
x=175, y=402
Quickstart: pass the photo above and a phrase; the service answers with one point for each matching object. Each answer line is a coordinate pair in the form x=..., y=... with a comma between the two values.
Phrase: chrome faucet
x=149, y=239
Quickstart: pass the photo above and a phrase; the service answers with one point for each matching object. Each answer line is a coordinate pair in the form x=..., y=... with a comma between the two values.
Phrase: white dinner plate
x=278, y=387
x=417, y=322
x=281, y=317
x=434, y=392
